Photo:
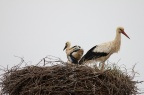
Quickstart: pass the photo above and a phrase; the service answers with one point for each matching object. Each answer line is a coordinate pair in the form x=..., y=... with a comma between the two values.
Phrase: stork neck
x=117, y=41
x=117, y=37
x=68, y=47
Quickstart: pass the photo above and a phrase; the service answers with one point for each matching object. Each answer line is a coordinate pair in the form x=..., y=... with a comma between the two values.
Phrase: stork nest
x=66, y=79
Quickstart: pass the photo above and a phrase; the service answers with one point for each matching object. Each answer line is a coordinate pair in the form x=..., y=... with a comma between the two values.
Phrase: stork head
x=67, y=44
x=121, y=30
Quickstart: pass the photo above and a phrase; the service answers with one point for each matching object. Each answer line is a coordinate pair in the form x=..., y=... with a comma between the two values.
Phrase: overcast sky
x=35, y=28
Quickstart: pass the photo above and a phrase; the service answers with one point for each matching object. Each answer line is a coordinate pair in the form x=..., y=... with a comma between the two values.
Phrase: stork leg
x=102, y=68
x=77, y=65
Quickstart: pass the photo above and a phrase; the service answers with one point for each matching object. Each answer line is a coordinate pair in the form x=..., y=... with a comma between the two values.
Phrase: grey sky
x=35, y=28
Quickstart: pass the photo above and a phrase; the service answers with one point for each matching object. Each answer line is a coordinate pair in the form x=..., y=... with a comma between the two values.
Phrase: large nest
x=66, y=79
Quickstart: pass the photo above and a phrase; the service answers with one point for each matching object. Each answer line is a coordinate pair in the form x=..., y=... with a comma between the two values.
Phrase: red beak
x=125, y=34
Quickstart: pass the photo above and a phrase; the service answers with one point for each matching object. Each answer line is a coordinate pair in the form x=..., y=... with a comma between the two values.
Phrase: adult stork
x=73, y=53
x=100, y=53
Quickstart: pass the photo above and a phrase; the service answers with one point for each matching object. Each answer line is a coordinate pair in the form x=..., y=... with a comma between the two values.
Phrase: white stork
x=100, y=53
x=73, y=53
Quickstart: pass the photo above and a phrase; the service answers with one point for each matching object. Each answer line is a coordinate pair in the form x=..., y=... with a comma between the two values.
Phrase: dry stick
x=133, y=72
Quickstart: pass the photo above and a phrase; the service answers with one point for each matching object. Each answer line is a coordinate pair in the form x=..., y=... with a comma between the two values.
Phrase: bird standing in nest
x=100, y=53
x=73, y=53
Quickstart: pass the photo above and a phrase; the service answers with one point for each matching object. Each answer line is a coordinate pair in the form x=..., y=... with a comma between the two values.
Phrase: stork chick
x=100, y=53
x=73, y=53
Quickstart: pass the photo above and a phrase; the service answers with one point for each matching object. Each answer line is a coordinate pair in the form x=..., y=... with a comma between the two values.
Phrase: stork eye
x=121, y=29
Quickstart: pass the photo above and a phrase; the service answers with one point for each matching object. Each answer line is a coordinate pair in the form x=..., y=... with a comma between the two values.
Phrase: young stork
x=100, y=53
x=73, y=53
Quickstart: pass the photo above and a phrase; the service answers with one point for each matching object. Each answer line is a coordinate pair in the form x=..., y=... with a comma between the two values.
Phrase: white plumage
x=73, y=53
x=100, y=53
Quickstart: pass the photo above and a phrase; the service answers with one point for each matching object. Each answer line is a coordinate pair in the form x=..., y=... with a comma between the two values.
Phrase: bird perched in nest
x=73, y=53
x=100, y=53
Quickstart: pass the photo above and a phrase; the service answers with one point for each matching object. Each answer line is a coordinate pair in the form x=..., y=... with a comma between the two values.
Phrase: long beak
x=64, y=48
x=125, y=34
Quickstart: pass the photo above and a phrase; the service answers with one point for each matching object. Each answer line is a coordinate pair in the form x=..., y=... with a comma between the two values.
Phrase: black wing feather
x=74, y=60
x=92, y=55
x=76, y=46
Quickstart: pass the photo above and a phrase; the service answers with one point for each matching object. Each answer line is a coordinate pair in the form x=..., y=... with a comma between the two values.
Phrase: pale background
x=33, y=29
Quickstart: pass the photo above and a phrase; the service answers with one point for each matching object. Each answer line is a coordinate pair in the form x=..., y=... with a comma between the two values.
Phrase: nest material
x=66, y=79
